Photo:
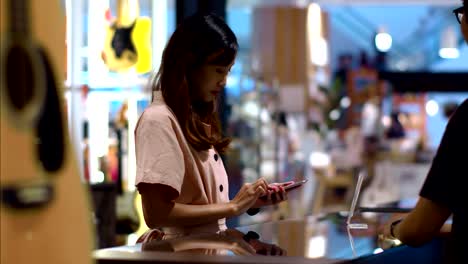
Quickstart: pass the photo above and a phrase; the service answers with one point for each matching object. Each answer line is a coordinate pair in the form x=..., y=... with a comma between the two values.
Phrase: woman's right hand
x=248, y=195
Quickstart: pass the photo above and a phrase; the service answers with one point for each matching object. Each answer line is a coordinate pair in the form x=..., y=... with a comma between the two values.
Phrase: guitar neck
x=19, y=23
x=127, y=12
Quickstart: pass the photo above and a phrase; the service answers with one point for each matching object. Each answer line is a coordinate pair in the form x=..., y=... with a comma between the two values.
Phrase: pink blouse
x=164, y=156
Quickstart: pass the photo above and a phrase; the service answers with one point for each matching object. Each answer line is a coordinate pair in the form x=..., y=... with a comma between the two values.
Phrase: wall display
x=112, y=47
x=115, y=157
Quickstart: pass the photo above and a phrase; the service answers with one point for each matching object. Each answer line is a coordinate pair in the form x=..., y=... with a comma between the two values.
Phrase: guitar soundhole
x=122, y=41
x=51, y=147
x=19, y=77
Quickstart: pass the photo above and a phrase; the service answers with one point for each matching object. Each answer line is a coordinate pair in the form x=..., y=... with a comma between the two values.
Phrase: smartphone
x=295, y=185
x=288, y=188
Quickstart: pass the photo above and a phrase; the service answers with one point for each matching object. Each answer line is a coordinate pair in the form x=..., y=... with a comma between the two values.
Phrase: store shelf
x=114, y=81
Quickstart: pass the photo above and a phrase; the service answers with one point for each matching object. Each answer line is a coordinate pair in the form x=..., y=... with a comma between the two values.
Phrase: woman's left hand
x=276, y=194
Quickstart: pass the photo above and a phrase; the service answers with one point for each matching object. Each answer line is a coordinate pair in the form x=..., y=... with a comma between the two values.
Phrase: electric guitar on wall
x=128, y=40
x=45, y=216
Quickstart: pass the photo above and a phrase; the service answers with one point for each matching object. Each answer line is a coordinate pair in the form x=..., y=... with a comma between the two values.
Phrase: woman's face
x=208, y=81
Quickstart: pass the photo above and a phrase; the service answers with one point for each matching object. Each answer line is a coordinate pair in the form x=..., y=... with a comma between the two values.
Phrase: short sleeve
x=158, y=152
x=447, y=178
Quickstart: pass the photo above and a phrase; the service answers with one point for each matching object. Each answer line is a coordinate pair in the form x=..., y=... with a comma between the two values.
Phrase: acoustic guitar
x=45, y=215
x=128, y=40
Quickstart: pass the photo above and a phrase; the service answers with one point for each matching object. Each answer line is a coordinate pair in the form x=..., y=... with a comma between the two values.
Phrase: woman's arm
x=422, y=224
x=160, y=210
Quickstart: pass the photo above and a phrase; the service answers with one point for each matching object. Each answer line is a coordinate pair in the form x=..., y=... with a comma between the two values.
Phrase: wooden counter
x=314, y=239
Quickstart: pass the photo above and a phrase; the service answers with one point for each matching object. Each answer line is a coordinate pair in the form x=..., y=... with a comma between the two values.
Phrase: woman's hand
x=150, y=235
x=276, y=194
x=267, y=249
x=248, y=195
x=261, y=248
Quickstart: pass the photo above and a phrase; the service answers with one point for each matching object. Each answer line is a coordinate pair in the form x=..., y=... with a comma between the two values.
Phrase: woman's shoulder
x=160, y=113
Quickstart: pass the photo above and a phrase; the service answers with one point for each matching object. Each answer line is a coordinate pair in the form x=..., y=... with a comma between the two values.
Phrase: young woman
x=180, y=175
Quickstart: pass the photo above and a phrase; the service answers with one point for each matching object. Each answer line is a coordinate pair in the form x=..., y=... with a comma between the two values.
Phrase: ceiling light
x=432, y=107
x=448, y=44
x=383, y=41
x=449, y=53
x=345, y=102
x=334, y=114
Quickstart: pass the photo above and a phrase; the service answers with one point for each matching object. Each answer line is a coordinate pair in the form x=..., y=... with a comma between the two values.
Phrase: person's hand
x=385, y=238
x=238, y=241
x=150, y=235
x=266, y=249
x=248, y=195
x=276, y=194
x=262, y=248
x=384, y=229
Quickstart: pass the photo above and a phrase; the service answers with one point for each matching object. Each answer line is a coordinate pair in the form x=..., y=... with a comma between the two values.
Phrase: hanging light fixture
x=318, y=46
x=383, y=40
x=448, y=44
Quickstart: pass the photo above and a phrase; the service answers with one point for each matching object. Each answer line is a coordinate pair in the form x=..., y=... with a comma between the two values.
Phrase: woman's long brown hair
x=192, y=45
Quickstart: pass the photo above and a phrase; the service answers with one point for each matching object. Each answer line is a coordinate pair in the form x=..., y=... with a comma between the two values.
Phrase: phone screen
x=289, y=187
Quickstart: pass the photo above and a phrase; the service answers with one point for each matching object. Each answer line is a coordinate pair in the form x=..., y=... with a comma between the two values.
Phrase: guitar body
x=128, y=40
x=141, y=36
x=21, y=97
x=45, y=214
x=119, y=52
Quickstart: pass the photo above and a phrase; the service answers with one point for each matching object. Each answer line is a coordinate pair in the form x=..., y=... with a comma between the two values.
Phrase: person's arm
x=422, y=224
x=160, y=210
